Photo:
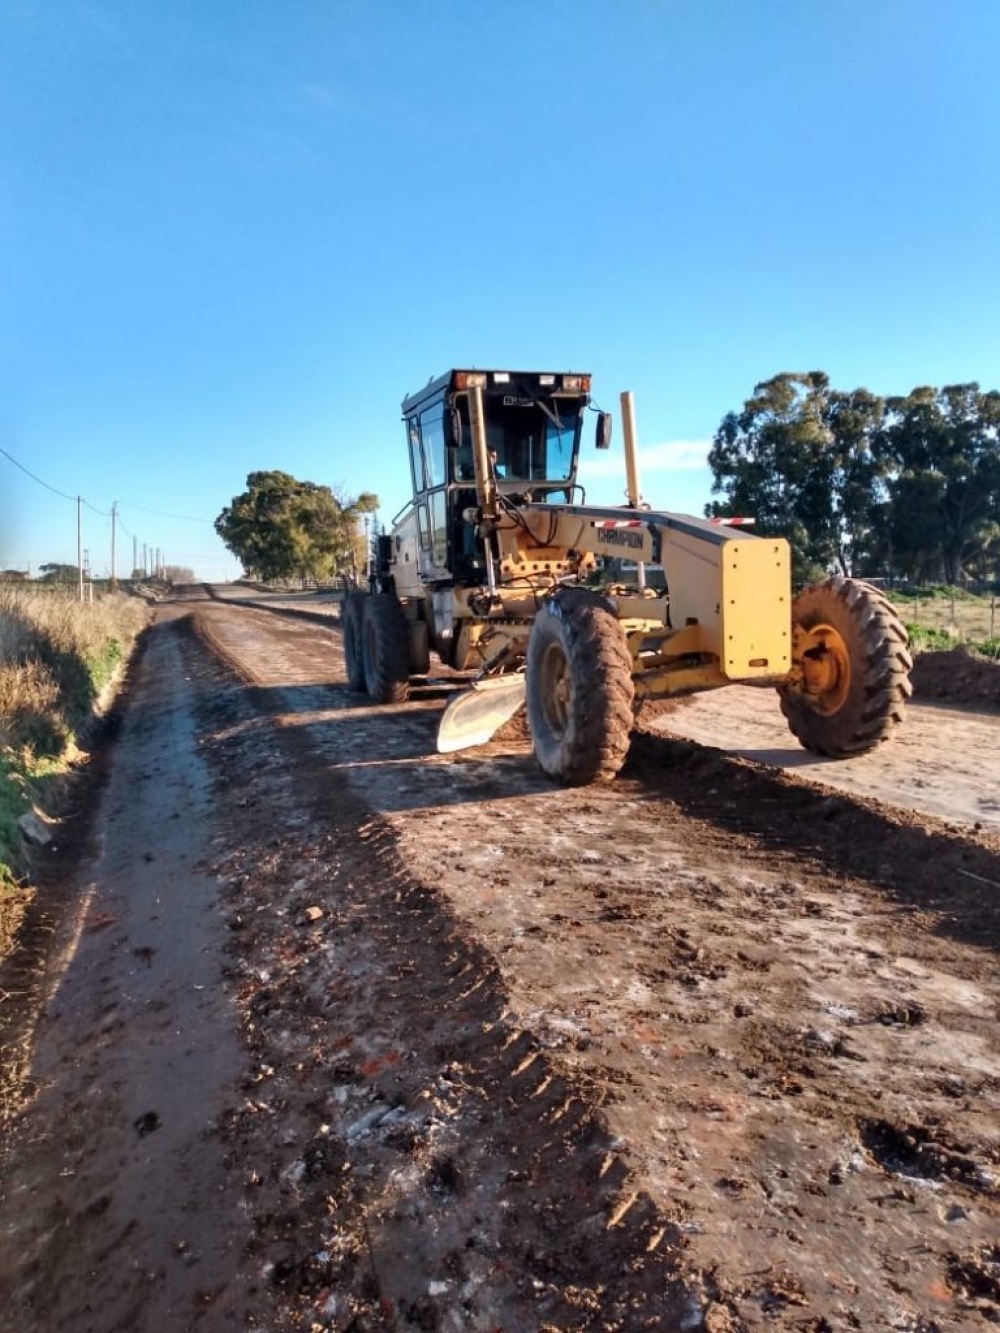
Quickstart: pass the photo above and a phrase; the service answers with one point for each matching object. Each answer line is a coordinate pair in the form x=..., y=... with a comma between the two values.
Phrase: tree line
x=897, y=487
x=55, y=572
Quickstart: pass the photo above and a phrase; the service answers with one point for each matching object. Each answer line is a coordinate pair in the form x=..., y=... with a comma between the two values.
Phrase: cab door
x=428, y=468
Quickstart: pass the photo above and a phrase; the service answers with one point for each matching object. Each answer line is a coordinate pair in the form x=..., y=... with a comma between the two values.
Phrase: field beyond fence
x=942, y=617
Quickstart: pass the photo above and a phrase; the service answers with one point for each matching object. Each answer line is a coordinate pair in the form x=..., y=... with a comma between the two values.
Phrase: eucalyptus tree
x=941, y=448
x=800, y=459
x=863, y=484
x=280, y=527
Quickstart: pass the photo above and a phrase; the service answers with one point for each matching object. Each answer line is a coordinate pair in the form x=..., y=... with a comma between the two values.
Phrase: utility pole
x=135, y=555
x=114, y=571
x=144, y=570
x=79, y=546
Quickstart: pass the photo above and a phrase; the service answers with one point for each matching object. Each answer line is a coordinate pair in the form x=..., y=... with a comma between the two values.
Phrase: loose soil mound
x=960, y=676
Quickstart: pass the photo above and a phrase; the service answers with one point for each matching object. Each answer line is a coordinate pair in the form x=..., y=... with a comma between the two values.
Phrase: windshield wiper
x=559, y=425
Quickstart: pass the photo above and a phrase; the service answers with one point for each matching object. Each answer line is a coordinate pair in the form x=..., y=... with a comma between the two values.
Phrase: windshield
x=531, y=445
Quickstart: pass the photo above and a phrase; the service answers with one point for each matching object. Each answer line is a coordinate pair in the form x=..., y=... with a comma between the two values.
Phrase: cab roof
x=544, y=382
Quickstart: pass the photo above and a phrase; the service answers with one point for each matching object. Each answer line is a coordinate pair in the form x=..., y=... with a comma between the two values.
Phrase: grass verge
x=57, y=658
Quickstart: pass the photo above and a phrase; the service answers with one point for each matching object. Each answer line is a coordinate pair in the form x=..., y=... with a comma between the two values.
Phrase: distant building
x=13, y=576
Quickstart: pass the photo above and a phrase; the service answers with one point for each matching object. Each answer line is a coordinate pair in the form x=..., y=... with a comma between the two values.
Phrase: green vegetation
x=56, y=656
x=938, y=618
x=890, y=487
x=281, y=528
x=12, y=805
x=926, y=637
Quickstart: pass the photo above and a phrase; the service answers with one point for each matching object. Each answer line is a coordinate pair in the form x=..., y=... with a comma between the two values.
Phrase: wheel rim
x=556, y=688
x=826, y=670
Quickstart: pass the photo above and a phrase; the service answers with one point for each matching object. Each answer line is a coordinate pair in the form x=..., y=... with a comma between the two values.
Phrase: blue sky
x=234, y=235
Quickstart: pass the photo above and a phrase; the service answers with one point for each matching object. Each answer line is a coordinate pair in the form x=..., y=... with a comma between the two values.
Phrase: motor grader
x=496, y=565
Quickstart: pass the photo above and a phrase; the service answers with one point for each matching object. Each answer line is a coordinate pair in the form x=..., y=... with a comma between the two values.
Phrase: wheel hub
x=826, y=669
x=556, y=688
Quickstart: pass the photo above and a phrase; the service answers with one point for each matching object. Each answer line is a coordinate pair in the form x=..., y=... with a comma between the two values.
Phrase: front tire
x=579, y=690
x=352, y=612
x=385, y=646
x=854, y=682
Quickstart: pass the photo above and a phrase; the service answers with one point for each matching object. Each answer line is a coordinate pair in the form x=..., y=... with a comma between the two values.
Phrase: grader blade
x=477, y=714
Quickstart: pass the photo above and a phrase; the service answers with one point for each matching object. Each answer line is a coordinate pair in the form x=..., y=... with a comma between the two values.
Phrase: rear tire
x=418, y=639
x=855, y=683
x=579, y=690
x=385, y=646
x=352, y=611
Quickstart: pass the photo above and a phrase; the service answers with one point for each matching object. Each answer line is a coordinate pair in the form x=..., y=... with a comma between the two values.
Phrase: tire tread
x=386, y=649
x=596, y=740
x=878, y=646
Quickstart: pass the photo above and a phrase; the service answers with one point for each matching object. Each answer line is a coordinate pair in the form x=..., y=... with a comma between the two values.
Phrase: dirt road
x=347, y=1035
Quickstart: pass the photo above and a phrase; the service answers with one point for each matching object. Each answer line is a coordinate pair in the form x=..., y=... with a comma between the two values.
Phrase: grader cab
x=497, y=565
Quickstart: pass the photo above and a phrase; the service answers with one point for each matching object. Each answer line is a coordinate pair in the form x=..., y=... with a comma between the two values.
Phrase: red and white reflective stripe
x=734, y=522
x=606, y=523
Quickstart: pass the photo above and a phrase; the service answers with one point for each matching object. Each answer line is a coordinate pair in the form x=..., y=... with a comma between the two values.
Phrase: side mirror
x=455, y=437
x=602, y=437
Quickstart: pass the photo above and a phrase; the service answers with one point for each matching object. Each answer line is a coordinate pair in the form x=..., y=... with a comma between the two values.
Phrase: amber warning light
x=470, y=379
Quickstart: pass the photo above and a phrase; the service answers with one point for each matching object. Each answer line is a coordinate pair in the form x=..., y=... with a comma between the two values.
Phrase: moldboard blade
x=477, y=714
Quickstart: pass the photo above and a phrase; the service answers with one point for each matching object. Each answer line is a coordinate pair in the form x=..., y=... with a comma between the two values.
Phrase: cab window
x=432, y=434
x=416, y=455
x=529, y=444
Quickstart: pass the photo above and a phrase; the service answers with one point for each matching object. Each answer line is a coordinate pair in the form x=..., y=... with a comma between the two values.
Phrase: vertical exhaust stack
x=632, y=491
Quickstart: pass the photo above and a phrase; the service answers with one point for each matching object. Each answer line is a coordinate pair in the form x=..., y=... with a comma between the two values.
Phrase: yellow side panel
x=756, y=609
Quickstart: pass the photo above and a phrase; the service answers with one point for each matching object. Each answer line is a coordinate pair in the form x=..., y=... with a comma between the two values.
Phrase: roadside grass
x=939, y=618
x=13, y=898
x=56, y=657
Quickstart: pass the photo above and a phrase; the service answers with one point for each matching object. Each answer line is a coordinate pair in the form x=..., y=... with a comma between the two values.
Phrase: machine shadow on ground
x=388, y=754
x=919, y=865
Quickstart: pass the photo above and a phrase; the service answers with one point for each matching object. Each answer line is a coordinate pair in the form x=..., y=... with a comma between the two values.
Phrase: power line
x=62, y=494
x=114, y=514
x=102, y=513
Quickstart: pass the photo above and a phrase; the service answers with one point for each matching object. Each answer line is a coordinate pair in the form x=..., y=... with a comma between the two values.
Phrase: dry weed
x=56, y=654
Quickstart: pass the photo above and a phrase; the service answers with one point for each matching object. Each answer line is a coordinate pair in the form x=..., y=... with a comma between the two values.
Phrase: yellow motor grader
x=498, y=565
